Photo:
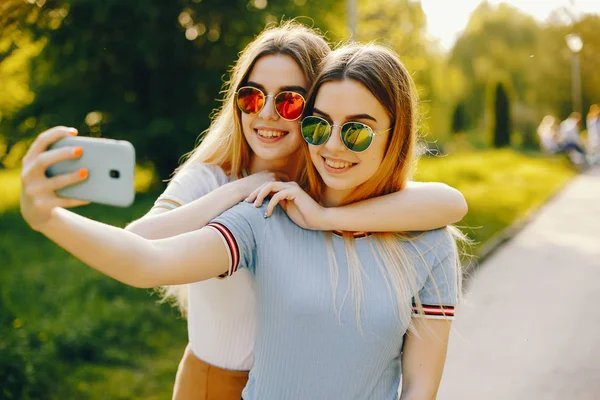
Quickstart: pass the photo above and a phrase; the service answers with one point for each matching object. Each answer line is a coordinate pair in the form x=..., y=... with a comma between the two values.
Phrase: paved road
x=529, y=327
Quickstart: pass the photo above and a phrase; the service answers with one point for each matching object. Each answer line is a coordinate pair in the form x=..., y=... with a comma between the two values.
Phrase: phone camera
x=114, y=174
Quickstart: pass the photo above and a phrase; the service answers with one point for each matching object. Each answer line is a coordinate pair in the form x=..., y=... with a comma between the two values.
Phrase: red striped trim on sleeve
x=233, y=247
x=434, y=310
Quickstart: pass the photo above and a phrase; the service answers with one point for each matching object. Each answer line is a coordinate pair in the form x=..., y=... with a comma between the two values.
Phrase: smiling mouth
x=270, y=134
x=338, y=165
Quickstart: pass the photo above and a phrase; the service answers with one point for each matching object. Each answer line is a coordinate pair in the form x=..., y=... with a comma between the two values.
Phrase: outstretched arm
x=420, y=206
x=136, y=261
x=113, y=251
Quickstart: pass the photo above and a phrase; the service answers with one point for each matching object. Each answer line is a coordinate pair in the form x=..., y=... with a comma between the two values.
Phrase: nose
x=268, y=111
x=334, y=143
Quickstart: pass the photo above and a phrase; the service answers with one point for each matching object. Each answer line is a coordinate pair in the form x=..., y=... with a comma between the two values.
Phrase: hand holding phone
x=110, y=165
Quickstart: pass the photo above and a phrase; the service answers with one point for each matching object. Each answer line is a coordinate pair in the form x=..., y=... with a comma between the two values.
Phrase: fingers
x=61, y=181
x=278, y=197
x=267, y=189
x=38, y=165
x=45, y=189
x=71, y=203
x=259, y=194
x=47, y=138
x=50, y=157
x=252, y=196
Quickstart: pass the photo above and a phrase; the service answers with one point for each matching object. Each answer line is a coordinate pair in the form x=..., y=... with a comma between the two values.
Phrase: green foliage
x=552, y=78
x=128, y=69
x=498, y=41
x=401, y=25
x=531, y=58
x=501, y=118
x=147, y=72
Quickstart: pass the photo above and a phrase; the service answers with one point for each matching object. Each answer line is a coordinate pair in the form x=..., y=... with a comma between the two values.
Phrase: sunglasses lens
x=250, y=100
x=315, y=130
x=356, y=136
x=289, y=105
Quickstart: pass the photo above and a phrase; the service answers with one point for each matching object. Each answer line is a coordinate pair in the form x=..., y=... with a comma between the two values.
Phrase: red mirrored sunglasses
x=289, y=105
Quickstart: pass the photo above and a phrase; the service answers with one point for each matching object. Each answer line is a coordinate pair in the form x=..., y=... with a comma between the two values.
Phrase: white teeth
x=270, y=134
x=337, y=164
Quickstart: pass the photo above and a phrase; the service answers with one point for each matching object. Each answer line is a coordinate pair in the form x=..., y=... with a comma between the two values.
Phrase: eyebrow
x=290, y=88
x=348, y=117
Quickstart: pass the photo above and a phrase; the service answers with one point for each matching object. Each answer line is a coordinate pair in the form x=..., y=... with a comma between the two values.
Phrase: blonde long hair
x=223, y=143
x=381, y=72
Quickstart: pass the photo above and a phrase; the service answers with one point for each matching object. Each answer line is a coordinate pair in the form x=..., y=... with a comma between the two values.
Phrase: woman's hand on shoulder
x=38, y=192
x=248, y=184
x=299, y=206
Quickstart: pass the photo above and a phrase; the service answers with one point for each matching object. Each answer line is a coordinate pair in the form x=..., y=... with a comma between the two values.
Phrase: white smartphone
x=111, y=170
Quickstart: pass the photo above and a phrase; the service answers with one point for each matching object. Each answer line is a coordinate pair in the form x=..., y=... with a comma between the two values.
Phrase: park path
x=529, y=327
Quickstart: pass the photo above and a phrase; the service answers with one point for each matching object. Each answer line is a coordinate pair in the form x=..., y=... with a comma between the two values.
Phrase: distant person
x=548, y=134
x=593, y=128
x=569, y=140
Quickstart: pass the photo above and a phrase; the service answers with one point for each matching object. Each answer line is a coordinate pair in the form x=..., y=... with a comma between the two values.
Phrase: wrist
x=238, y=190
x=326, y=220
x=45, y=225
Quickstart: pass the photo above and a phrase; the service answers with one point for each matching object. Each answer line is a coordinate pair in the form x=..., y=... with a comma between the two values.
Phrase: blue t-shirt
x=305, y=347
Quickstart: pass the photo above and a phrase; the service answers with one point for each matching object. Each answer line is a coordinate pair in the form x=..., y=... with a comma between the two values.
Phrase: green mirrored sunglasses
x=356, y=136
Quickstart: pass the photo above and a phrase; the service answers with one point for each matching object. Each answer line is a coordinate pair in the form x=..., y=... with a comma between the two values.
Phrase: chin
x=337, y=183
x=274, y=154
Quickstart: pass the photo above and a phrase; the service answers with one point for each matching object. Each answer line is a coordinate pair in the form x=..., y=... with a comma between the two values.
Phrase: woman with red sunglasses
x=256, y=130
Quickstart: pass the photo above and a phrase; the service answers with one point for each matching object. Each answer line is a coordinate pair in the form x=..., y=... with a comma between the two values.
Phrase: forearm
x=188, y=217
x=423, y=358
x=115, y=252
x=420, y=206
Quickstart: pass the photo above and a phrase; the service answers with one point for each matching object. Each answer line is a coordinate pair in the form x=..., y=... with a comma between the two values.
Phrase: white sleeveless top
x=221, y=312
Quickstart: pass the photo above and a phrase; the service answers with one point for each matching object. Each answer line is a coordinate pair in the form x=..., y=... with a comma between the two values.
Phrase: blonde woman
x=196, y=256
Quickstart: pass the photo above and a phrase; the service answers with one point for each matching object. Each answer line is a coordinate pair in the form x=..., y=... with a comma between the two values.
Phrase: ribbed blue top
x=304, y=349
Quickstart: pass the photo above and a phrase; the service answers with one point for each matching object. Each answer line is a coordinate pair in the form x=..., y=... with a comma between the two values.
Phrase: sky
x=447, y=18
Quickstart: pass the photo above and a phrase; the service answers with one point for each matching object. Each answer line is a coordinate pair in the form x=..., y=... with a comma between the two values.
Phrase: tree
x=460, y=119
x=148, y=72
x=401, y=24
x=498, y=41
x=501, y=118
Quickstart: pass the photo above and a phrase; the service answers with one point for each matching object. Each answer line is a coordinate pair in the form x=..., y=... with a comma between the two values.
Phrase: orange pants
x=198, y=380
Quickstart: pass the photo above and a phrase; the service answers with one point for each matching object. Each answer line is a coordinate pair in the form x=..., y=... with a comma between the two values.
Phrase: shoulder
x=244, y=213
x=199, y=173
x=278, y=224
x=434, y=245
x=192, y=182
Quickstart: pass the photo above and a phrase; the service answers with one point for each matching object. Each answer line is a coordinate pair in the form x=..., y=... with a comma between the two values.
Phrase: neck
x=288, y=166
x=335, y=198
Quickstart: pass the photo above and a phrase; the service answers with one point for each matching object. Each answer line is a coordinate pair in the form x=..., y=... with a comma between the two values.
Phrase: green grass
x=67, y=332
x=501, y=186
